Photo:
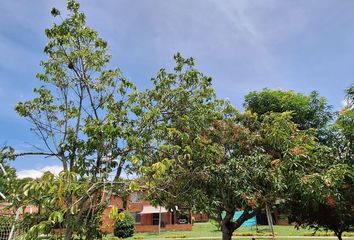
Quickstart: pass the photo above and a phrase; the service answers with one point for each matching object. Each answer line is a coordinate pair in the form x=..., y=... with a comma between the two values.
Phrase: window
x=135, y=197
x=137, y=217
x=155, y=218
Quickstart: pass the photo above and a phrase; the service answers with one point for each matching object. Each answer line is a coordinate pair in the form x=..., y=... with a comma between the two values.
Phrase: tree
x=310, y=111
x=82, y=116
x=171, y=115
x=321, y=197
x=325, y=199
x=204, y=153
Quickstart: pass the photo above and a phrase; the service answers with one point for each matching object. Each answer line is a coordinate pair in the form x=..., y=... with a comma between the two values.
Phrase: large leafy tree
x=82, y=116
x=309, y=111
x=202, y=153
x=321, y=196
x=253, y=165
x=325, y=199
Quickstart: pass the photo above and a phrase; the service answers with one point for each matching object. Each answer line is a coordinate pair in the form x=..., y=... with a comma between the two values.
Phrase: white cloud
x=36, y=173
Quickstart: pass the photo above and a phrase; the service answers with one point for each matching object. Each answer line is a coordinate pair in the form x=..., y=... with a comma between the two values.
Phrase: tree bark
x=68, y=233
x=174, y=214
x=226, y=235
x=227, y=227
x=339, y=235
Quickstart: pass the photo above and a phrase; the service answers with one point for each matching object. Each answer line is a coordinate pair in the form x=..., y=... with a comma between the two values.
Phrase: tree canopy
x=203, y=153
x=324, y=188
x=325, y=199
x=309, y=111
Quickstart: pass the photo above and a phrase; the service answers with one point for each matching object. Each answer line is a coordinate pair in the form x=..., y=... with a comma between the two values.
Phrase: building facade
x=147, y=217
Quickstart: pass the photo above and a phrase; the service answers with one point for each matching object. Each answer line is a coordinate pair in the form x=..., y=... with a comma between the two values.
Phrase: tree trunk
x=68, y=233
x=339, y=235
x=174, y=214
x=226, y=234
x=227, y=227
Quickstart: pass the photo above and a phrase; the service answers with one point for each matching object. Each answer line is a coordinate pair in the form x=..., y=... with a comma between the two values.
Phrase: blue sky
x=244, y=45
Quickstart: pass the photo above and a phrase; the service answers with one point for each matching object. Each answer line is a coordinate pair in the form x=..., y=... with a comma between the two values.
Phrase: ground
x=209, y=231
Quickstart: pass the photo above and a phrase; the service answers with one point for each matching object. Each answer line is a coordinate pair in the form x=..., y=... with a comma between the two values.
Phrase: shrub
x=125, y=228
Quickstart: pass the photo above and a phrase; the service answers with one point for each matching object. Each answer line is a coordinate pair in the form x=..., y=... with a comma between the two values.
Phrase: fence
x=7, y=222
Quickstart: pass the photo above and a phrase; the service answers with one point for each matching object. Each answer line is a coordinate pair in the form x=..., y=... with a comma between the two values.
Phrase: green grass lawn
x=208, y=230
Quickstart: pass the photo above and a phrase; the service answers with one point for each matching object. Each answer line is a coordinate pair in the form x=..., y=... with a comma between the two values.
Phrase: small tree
x=125, y=227
x=82, y=116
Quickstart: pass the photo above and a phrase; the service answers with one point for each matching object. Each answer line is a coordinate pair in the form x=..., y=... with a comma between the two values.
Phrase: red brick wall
x=168, y=227
x=200, y=217
x=146, y=219
x=146, y=228
x=178, y=227
x=107, y=224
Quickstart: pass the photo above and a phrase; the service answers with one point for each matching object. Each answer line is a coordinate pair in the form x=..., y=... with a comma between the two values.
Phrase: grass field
x=209, y=231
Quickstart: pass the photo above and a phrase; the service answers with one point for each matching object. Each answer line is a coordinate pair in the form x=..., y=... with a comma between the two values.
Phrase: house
x=147, y=216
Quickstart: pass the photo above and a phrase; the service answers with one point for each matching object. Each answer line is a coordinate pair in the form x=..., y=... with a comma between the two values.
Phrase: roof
x=151, y=209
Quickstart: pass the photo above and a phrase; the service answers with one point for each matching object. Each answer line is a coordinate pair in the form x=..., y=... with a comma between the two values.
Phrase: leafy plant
x=125, y=227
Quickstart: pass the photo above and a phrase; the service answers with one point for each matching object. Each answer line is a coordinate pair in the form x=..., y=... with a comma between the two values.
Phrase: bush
x=125, y=228
x=5, y=227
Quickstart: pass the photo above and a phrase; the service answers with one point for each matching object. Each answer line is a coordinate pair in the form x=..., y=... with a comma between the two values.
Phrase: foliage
x=206, y=155
x=324, y=197
x=125, y=227
x=333, y=214
x=180, y=100
x=8, y=180
x=309, y=111
x=82, y=114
